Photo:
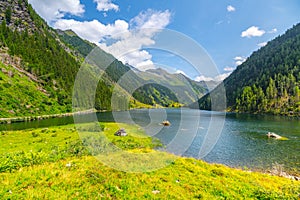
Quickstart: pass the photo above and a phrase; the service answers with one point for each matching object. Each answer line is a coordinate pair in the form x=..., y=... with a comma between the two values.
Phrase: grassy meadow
x=58, y=163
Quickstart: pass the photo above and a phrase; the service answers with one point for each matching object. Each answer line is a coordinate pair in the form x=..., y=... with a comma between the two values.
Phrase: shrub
x=34, y=134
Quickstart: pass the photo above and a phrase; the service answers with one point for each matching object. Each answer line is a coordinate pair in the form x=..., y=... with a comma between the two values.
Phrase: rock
x=121, y=132
x=19, y=11
x=69, y=165
x=155, y=191
x=273, y=135
x=166, y=123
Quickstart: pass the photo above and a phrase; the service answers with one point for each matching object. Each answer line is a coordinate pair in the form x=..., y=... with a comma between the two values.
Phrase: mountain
x=185, y=89
x=125, y=76
x=152, y=87
x=268, y=81
x=48, y=60
x=84, y=47
x=29, y=46
x=34, y=51
x=22, y=93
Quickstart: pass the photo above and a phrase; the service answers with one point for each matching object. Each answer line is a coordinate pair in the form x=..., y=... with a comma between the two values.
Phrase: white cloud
x=229, y=69
x=94, y=30
x=106, y=5
x=140, y=59
x=262, y=44
x=151, y=19
x=230, y=8
x=253, y=31
x=218, y=78
x=239, y=60
x=54, y=10
x=178, y=71
x=140, y=33
x=203, y=78
x=122, y=40
x=274, y=30
x=145, y=65
x=221, y=77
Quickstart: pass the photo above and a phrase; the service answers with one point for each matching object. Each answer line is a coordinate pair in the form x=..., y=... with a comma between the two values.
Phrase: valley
x=64, y=97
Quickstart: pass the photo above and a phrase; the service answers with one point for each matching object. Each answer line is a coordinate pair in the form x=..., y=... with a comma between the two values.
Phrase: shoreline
x=284, y=173
x=11, y=120
x=289, y=115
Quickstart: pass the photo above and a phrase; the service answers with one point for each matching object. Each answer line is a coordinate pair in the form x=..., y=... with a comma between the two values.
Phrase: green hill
x=185, y=89
x=82, y=46
x=22, y=96
x=148, y=88
x=54, y=58
x=43, y=54
x=268, y=81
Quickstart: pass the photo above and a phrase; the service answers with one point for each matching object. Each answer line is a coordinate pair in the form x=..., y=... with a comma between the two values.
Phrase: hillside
x=54, y=58
x=40, y=55
x=82, y=46
x=268, y=81
x=22, y=93
x=185, y=89
x=154, y=87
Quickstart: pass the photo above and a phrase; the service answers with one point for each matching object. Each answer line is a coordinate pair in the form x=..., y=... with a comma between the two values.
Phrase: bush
x=34, y=134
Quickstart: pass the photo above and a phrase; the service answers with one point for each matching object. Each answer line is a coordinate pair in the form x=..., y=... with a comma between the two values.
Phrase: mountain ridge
x=136, y=78
x=268, y=81
x=54, y=58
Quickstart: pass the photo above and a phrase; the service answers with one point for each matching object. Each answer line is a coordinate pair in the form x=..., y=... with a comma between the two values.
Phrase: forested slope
x=54, y=59
x=42, y=54
x=268, y=81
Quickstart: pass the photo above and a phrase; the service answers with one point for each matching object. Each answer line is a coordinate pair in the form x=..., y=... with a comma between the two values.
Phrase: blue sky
x=229, y=30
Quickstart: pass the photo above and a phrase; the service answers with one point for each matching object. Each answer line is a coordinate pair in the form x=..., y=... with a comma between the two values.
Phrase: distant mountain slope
x=185, y=89
x=54, y=59
x=268, y=81
x=45, y=56
x=142, y=90
x=82, y=46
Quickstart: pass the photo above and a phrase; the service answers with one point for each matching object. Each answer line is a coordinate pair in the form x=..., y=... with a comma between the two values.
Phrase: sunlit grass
x=61, y=167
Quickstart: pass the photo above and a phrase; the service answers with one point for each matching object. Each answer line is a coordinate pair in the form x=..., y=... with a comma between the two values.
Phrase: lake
x=236, y=140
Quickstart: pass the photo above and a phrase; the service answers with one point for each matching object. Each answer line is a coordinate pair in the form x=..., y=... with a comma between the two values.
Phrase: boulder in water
x=274, y=135
x=166, y=123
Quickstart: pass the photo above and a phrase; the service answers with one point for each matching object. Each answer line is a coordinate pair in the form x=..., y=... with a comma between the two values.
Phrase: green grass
x=42, y=159
x=21, y=96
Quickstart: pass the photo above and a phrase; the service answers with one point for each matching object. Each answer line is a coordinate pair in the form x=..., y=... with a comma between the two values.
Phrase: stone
x=121, y=132
x=273, y=135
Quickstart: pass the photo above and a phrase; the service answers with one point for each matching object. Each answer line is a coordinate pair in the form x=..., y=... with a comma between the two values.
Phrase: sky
x=227, y=30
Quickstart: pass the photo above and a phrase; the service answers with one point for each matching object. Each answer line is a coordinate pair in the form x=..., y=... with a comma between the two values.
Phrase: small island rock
x=273, y=135
x=166, y=123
